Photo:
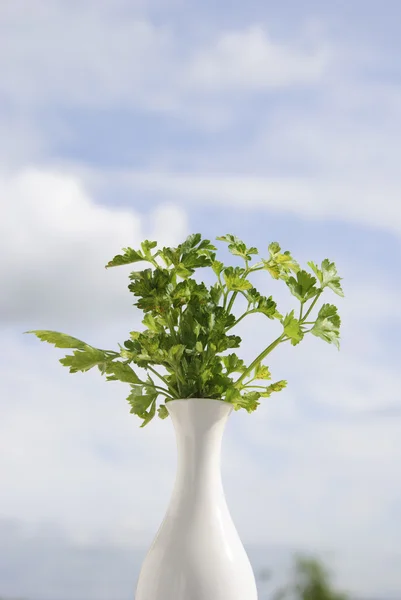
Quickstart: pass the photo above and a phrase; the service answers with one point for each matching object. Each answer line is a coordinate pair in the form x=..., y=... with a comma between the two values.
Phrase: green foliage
x=280, y=264
x=327, y=275
x=327, y=325
x=186, y=342
x=85, y=359
x=60, y=340
x=292, y=328
x=310, y=581
x=303, y=287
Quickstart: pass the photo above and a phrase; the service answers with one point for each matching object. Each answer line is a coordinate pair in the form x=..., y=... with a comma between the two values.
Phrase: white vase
x=197, y=553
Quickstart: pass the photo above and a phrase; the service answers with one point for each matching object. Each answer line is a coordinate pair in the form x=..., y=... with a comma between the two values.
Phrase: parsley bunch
x=188, y=326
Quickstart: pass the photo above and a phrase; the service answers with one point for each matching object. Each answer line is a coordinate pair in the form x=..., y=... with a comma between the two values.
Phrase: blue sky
x=121, y=121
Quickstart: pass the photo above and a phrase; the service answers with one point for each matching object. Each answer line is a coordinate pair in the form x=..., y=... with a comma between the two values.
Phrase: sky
x=124, y=120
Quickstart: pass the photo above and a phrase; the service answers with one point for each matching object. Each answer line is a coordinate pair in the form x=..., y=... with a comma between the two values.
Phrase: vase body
x=197, y=553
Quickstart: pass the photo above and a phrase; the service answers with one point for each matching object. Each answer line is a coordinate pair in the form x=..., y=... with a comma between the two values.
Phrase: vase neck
x=199, y=426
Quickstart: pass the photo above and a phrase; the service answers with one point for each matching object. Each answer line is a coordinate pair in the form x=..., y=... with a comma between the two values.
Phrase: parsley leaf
x=303, y=287
x=280, y=264
x=237, y=247
x=85, y=359
x=60, y=340
x=233, y=277
x=327, y=325
x=327, y=275
x=292, y=328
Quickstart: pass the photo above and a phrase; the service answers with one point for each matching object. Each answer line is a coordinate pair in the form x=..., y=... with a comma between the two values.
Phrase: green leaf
x=139, y=402
x=327, y=325
x=217, y=266
x=162, y=411
x=129, y=256
x=215, y=295
x=182, y=271
x=148, y=415
x=233, y=364
x=83, y=360
x=303, y=287
x=327, y=275
x=268, y=307
x=262, y=372
x=147, y=247
x=279, y=265
x=195, y=252
x=233, y=396
x=274, y=387
x=175, y=353
x=152, y=323
x=60, y=340
x=191, y=241
x=248, y=400
x=292, y=328
x=122, y=372
x=237, y=247
x=199, y=347
x=234, y=280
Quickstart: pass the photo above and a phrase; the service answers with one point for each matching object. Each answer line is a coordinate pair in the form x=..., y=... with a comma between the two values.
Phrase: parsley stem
x=161, y=390
x=230, y=304
x=262, y=387
x=248, y=312
x=260, y=357
x=312, y=305
x=162, y=378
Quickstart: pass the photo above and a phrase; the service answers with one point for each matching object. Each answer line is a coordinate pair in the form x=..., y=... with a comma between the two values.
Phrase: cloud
x=119, y=58
x=250, y=60
x=57, y=240
x=360, y=202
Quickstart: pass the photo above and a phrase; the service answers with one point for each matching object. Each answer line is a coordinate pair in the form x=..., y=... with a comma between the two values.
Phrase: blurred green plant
x=310, y=581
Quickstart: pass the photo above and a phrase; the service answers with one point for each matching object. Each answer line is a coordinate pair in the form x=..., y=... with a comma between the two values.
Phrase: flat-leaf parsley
x=188, y=326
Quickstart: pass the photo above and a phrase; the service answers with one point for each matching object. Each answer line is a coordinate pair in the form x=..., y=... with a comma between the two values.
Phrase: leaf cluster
x=186, y=345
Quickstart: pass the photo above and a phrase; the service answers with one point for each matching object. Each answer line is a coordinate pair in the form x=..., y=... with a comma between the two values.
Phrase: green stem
x=161, y=390
x=247, y=271
x=262, y=387
x=154, y=263
x=225, y=298
x=230, y=304
x=312, y=305
x=300, y=312
x=260, y=357
x=248, y=312
x=162, y=378
x=256, y=268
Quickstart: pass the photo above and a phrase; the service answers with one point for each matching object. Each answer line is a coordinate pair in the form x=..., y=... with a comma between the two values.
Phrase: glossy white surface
x=197, y=553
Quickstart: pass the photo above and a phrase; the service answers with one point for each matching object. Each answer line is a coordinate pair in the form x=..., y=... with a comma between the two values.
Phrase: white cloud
x=57, y=241
x=369, y=202
x=250, y=60
x=119, y=58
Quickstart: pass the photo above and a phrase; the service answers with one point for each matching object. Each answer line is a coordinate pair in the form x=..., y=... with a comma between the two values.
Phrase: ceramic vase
x=197, y=553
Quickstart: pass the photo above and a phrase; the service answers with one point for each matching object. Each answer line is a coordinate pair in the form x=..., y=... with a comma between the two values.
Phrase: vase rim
x=203, y=399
